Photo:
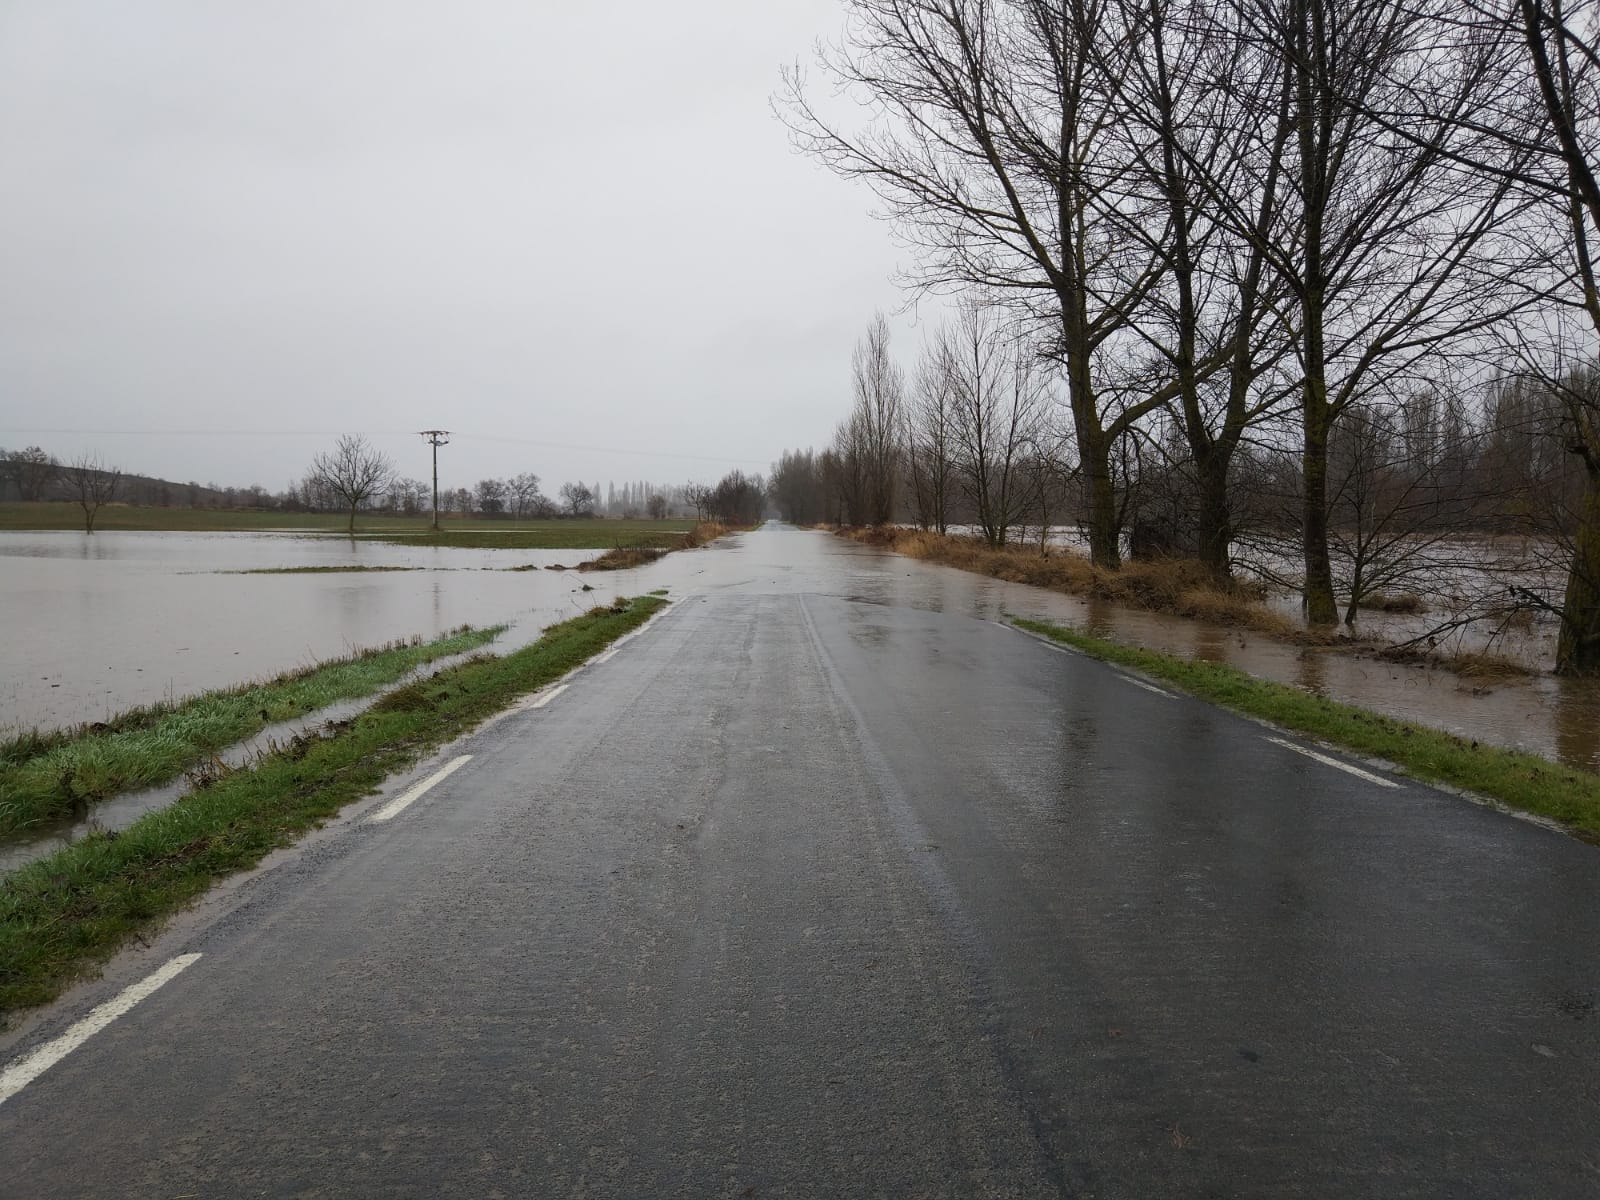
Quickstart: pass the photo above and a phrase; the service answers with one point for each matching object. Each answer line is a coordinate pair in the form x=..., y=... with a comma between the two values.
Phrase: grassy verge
x=591, y=533
x=552, y=535
x=63, y=914
x=1181, y=587
x=52, y=775
x=1521, y=781
x=50, y=514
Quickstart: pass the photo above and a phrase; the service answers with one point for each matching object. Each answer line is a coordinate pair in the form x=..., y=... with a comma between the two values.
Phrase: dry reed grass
x=619, y=558
x=1181, y=587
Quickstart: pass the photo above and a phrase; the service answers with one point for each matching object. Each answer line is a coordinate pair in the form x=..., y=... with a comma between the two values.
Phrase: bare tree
x=738, y=499
x=1205, y=117
x=33, y=470
x=491, y=496
x=1398, y=503
x=578, y=498
x=798, y=488
x=998, y=155
x=697, y=494
x=998, y=401
x=879, y=387
x=929, y=439
x=354, y=473
x=92, y=484
x=1538, y=130
x=524, y=491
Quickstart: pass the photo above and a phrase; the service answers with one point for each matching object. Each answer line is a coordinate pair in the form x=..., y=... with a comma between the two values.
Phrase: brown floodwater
x=101, y=624
x=97, y=625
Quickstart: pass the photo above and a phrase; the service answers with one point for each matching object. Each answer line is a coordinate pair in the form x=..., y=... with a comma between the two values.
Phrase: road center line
x=404, y=800
x=1334, y=762
x=1149, y=687
x=26, y=1069
x=549, y=696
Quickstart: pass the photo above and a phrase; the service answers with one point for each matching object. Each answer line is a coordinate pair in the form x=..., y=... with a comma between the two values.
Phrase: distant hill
x=24, y=479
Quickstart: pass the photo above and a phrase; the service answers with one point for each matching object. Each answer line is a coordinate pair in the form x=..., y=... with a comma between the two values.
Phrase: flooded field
x=100, y=624
x=96, y=625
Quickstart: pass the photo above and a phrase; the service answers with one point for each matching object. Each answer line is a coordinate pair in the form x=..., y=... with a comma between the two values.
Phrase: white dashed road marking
x=1334, y=762
x=26, y=1069
x=404, y=800
x=549, y=696
x=1149, y=687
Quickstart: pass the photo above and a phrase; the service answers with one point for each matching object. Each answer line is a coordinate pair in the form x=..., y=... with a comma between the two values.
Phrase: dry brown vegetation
x=1470, y=664
x=703, y=532
x=1181, y=587
x=621, y=557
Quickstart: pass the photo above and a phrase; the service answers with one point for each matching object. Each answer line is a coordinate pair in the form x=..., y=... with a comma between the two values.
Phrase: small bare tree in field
x=92, y=484
x=355, y=472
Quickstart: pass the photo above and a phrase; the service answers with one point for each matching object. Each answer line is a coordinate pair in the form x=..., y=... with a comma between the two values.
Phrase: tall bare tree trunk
x=1100, y=493
x=1321, y=608
x=1578, y=649
x=1213, y=522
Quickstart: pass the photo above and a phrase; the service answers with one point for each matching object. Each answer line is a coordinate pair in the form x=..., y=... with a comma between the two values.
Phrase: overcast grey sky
x=230, y=232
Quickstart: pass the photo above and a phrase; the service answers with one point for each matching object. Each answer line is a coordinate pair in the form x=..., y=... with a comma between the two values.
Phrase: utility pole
x=436, y=438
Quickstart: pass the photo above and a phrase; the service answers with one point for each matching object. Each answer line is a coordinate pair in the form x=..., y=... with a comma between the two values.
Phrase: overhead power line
x=728, y=460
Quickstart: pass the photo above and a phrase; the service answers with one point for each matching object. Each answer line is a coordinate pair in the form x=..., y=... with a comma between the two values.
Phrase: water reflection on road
x=1554, y=717
x=100, y=624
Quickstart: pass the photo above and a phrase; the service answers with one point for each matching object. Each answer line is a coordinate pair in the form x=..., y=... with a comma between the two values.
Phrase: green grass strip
x=1517, y=780
x=556, y=535
x=44, y=777
x=65, y=913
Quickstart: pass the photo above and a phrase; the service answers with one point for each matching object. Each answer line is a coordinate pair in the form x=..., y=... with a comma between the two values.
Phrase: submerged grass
x=315, y=570
x=1181, y=587
x=1521, y=781
x=621, y=557
x=48, y=776
x=63, y=914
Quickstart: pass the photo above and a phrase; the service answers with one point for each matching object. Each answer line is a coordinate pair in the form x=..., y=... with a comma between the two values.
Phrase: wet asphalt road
x=807, y=894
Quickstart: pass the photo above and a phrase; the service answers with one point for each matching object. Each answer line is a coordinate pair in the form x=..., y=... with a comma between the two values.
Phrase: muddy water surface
x=96, y=625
